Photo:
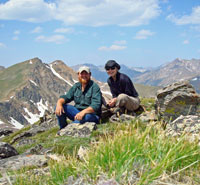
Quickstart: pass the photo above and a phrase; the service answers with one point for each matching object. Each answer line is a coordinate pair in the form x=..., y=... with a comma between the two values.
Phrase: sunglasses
x=108, y=68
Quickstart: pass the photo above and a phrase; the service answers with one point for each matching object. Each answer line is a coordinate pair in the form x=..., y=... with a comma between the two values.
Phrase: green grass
x=121, y=149
x=148, y=103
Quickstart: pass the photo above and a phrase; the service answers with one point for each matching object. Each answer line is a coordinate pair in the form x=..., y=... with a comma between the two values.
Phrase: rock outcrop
x=19, y=161
x=177, y=99
x=78, y=130
x=6, y=150
x=189, y=125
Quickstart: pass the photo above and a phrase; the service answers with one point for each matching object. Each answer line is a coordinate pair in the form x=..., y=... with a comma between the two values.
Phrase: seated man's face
x=84, y=77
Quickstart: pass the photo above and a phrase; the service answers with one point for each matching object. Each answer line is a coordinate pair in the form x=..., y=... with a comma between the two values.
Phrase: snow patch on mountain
x=33, y=82
x=194, y=79
x=75, y=81
x=58, y=75
x=42, y=107
x=16, y=124
x=33, y=117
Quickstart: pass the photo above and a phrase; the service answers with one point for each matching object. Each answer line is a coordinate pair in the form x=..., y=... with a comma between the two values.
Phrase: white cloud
x=2, y=45
x=58, y=39
x=79, y=12
x=15, y=38
x=120, y=42
x=27, y=10
x=114, y=12
x=64, y=30
x=16, y=32
x=143, y=34
x=112, y=48
x=195, y=28
x=193, y=18
x=37, y=29
x=186, y=42
x=164, y=1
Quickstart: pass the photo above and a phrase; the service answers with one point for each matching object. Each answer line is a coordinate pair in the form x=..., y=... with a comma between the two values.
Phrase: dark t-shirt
x=123, y=84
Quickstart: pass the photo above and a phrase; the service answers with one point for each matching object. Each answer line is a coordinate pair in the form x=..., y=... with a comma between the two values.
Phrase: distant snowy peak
x=178, y=69
x=140, y=69
x=2, y=68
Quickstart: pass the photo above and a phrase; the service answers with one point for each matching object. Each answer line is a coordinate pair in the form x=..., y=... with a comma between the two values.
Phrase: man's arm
x=59, y=106
x=81, y=114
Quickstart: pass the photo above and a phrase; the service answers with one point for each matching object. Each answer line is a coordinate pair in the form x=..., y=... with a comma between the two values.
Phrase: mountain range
x=179, y=69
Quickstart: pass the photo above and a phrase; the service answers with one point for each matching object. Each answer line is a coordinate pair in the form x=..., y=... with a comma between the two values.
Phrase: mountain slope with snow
x=31, y=87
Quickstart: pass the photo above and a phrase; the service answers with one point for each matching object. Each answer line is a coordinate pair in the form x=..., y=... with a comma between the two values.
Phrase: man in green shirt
x=86, y=95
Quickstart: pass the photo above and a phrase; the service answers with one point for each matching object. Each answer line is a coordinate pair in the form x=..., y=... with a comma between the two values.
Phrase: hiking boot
x=118, y=110
x=131, y=113
x=139, y=110
x=58, y=133
x=114, y=118
x=122, y=118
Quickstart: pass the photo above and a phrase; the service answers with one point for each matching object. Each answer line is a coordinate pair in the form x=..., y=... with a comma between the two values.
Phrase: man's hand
x=112, y=102
x=59, y=107
x=79, y=116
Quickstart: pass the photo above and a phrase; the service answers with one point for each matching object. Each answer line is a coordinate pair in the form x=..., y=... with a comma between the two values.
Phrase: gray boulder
x=21, y=161
x=6, y=150
x=78, y=130
x=177, y=99
x=5, y=132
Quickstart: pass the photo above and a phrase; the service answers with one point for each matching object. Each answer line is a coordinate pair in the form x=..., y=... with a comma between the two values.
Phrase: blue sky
x=137, y=33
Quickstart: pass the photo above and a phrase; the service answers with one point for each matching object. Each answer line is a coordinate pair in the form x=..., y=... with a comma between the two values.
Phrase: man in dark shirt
x=87, y=97
x=124, y=94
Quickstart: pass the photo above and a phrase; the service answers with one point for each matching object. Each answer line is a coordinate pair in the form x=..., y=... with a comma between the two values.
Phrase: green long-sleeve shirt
x=90, y=97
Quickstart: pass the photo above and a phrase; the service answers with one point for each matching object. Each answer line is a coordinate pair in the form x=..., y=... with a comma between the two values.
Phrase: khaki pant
x=130, y=103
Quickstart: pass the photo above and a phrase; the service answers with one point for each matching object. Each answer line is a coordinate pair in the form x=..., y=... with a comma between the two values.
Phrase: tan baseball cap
x=84, y=68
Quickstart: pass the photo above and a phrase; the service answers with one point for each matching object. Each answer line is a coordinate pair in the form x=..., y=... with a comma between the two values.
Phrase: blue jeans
x=70, y=112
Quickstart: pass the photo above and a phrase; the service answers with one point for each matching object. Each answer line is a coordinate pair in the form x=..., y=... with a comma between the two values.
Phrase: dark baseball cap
x=112, y=63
